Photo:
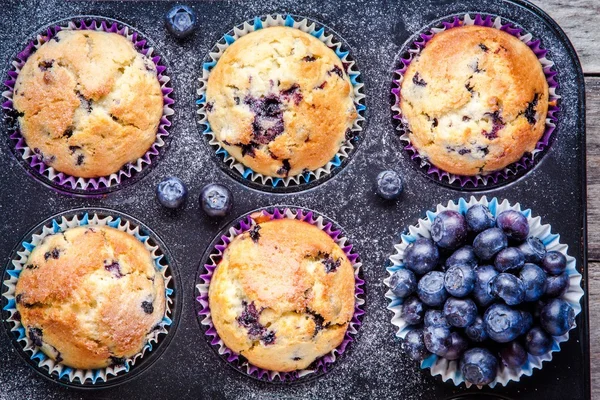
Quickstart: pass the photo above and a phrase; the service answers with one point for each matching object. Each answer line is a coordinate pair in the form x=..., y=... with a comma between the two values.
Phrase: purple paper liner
x=33, y=163
x=210, y=262
x=413, y=48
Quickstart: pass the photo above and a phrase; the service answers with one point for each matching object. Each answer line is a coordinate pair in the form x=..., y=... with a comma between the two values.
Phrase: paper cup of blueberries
x=90, y=298
x=482, y=292
x=287, y=124
x=88, y=125
x=280, y=297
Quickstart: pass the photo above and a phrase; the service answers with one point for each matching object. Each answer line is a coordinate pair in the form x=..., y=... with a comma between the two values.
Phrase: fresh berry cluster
x=482, y=291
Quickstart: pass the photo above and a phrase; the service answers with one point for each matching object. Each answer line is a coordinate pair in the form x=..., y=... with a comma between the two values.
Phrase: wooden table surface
x=580, y=19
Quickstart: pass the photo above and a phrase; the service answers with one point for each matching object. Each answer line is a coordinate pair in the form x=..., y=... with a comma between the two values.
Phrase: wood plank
x=594, y=317
x=580, y=19
x=593, y=165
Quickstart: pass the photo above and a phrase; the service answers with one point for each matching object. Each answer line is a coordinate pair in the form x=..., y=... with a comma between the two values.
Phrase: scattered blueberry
x=510, y=258
x=216, y=200
x=556, y=285
x=482, y=291
x=476, y=331
x=435, y=318
x=412, y=311
x=389, y=185
x=557, y=317
x=502, y=323
x=533, y=249
x=508, y=288
x=171, y=192
x=35, y=334
x=438, y=339
x=534, y=280
x=180, y=21
x=554, y=262
x=457, y=347
x=148, y=307
x=479, y=218
x=538, y=341
x=463, y=256
x=431, y=289
x=414, y=345
x=513, y=355
x=421, y=256
x=459, y=280
x=403, y=283
x=489, y=242
x=460, y=312
x=449, y=229
x=513, y=224
x=479, y=366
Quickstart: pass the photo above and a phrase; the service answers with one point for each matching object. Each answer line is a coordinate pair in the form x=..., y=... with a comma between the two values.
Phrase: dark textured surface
x=374, y=367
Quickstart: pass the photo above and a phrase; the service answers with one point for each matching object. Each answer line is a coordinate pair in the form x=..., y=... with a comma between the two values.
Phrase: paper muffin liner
x=213, y=257
x=449, y=370
x=46, y=365
x=413, y=48
x=332, y=40
x=33, y=163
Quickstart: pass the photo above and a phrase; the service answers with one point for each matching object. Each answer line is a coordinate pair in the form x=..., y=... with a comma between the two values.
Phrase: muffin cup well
x=449, y=370
x=60, y=181
x=157, y=339
x=413, y=48
x=306, y=179
x=214, y=254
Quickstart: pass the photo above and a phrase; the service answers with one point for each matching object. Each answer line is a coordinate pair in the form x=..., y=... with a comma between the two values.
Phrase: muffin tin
x=374, y=366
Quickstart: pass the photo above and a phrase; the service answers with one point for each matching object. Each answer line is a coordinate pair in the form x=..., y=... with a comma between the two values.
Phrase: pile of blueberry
x=482, y=291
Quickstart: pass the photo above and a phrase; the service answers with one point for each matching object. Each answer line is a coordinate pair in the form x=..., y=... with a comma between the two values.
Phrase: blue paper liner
x=56, y=370
x=334, y=42
x=448, y=370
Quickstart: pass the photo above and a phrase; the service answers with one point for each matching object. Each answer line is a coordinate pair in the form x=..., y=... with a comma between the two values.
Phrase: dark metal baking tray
x=374, y=367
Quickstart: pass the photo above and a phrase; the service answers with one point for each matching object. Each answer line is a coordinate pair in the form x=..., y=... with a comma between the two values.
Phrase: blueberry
x=421, y=256
x=463, y=256
x=534, y=280
x=36, y=334
x=449, y=229
x=389, y=185
x=459, y=280
x=414, y=345
x=479, y=366
x=460, y=312
x=431, y=289
x=403, y=283
x=526, y=322
x=180, y=21
x=457, y=347
x=171, y=192
x=476, y=331
x=508, y=288
x=513, y=355
x=435, y=318
x=557, y=317
x=554, y=262
x=489, y=242
x=513, y=224
x=538, y=341
x=533, y=249
x=556, y=285
x=479, y=218
x=438, y=339
x=412, y=311
x=482, y=291
x=216, y=200
x=509, y=258
x=502, y=323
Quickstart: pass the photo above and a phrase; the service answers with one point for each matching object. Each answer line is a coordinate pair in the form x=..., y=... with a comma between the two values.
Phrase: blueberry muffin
x=475, y=100
x=88, y=103
x=283, y=295
x=88, y=297
x=280, y=102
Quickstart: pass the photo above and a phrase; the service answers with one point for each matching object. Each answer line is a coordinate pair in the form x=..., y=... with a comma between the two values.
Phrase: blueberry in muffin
x=88, y=103
x=280, y=102
x=89, y=296
x=475, y=100
x=283, y=295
